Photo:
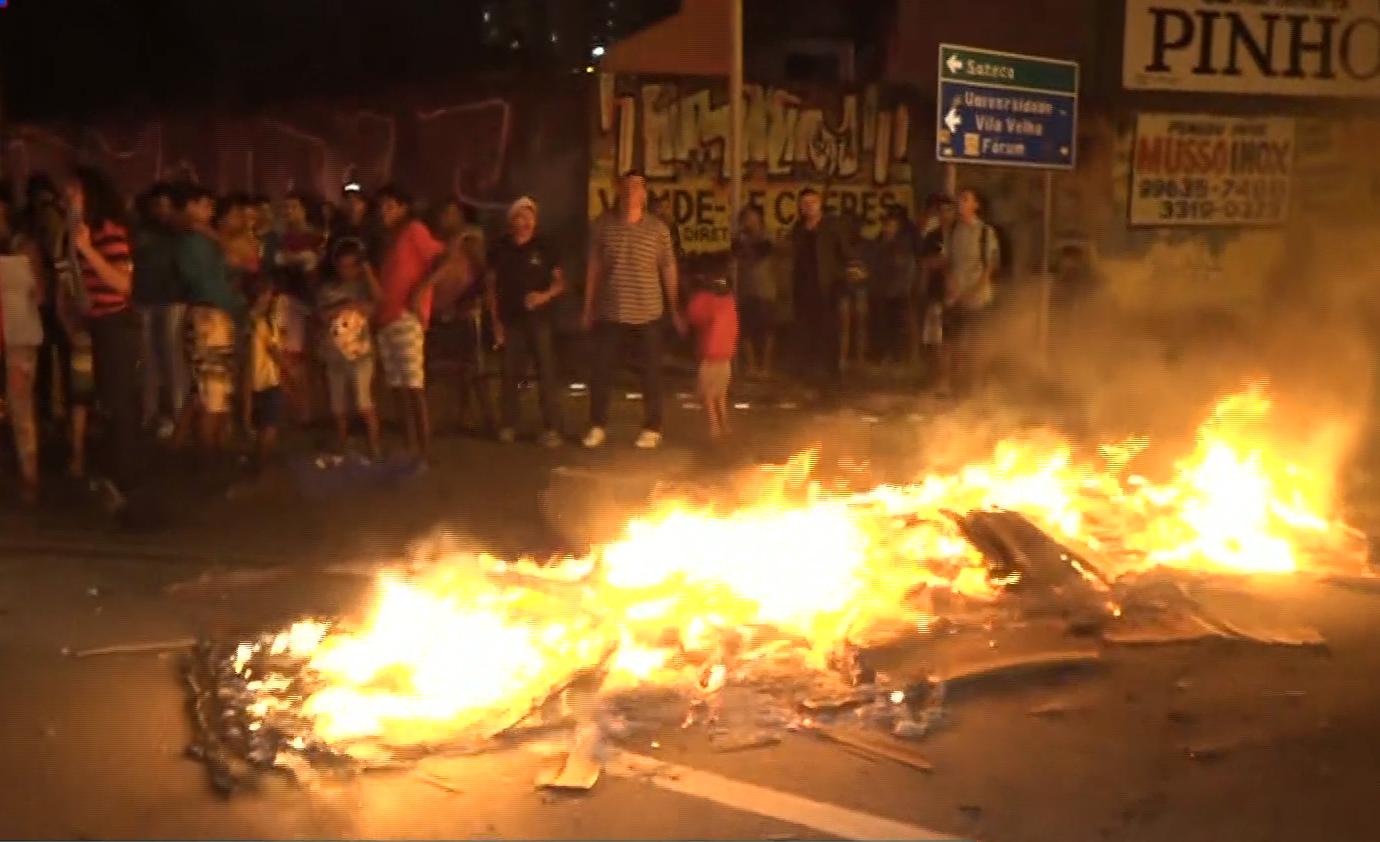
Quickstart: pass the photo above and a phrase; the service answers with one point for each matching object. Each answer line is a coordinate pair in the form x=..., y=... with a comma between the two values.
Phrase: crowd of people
x=914, y=298
x=201, y=320
x=190, y=317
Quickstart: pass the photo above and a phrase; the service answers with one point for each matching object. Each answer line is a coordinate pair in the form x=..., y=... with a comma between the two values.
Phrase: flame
x=1233, y=506
x=816, y=567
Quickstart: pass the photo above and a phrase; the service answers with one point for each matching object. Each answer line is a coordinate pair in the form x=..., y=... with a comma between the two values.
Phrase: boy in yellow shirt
x=265, y=367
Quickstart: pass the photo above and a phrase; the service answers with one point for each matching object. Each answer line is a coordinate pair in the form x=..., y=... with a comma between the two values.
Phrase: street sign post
x=1009, y=110
x=1000, y=108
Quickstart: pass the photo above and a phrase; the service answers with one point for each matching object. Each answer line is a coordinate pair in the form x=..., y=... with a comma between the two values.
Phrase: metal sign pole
x=1046, y=269
x=1006, y=109
x=735, y=116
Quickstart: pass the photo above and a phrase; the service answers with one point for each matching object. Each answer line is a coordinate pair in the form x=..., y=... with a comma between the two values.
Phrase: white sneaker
x=551, y=439
x=595, y=437
x=506, y=435
x=648, y=440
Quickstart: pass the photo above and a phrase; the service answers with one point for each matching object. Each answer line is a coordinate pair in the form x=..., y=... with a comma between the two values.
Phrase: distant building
x=819, y=41
x=572, y=32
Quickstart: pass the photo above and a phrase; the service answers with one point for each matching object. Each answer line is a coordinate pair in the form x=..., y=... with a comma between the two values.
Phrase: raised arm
x=109, y=256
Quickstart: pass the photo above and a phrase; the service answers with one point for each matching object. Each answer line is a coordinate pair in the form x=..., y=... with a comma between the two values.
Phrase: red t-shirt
x=715, y=320
x=412, y=253
x=112, y=242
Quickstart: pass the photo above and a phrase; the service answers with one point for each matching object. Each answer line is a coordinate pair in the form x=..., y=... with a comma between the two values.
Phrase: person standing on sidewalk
x=66, y=386
x=714, y=316
x=973, y=255
x=345, y=303
x=413, y=260
x=632, y=280
x=754, y=256
x=297, y=258
x=891, y=276
x=821, y=256
x=214, y=306
x=930, y=254
x=354, y=222
x=524, y=277
x=21, y=335
x=157, y=294
x=107, y=273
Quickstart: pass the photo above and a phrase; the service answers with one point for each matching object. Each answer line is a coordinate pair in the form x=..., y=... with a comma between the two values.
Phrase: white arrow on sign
x=952, y=120
x=955, y=63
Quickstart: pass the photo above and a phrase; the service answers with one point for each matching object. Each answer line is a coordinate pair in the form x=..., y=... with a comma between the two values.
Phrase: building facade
x=1219, y=133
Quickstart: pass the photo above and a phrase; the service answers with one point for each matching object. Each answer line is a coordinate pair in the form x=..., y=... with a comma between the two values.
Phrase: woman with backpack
x=972, y=258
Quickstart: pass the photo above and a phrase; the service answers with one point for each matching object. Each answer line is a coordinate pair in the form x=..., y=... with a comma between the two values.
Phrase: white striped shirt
x=635, y=259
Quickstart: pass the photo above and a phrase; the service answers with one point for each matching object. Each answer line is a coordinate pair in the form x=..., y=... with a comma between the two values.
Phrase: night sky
x=82, y=59
x=74, y=58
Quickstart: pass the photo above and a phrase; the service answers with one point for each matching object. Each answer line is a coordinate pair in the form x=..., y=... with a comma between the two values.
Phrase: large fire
x=444, y=649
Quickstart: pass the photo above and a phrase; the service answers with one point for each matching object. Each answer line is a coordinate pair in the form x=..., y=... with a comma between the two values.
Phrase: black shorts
x=266, y=408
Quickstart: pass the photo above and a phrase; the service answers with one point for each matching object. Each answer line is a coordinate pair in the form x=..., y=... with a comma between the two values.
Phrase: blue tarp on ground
x=320, y=477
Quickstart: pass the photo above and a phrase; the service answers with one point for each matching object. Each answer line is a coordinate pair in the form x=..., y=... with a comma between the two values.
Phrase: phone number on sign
x=1225, y=189
x=1208, y=210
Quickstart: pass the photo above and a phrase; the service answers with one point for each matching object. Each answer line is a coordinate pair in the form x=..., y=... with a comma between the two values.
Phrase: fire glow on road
x=445, y=651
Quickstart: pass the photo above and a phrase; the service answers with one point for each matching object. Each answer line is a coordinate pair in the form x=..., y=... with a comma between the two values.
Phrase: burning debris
x=767, y=616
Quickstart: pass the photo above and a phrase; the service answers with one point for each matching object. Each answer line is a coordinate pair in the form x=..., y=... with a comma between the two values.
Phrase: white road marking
x=749, y=798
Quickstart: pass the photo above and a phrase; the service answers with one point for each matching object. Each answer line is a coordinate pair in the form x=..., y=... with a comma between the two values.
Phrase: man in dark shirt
x=524, y=277
x=354, y=223
x=938, y=219
x=821, y=256
x=157, y=295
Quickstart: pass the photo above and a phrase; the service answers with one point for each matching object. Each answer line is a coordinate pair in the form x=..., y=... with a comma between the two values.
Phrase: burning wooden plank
x=1172, y=607
x=875, y=746
x=1051, y=578
x=582, y=766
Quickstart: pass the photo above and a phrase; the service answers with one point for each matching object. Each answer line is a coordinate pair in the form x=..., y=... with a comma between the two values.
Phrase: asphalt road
x=1189, y=742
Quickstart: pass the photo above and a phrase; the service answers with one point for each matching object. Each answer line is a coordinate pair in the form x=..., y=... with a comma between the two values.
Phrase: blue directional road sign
x=1001, y=108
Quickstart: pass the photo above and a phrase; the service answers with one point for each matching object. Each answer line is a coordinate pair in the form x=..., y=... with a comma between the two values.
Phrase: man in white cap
x=524, y=276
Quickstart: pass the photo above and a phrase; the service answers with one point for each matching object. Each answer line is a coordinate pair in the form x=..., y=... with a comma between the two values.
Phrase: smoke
x=1154, y=342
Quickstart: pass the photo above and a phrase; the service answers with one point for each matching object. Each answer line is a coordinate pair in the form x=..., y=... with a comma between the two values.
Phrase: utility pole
x=735, y=114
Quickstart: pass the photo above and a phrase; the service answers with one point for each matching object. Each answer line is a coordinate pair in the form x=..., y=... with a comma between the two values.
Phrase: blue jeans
x=528, y=341
x=167, y=380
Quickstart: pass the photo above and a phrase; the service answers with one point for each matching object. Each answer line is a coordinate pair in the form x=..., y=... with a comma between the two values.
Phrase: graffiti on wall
x=853, y=146
x=480, y=148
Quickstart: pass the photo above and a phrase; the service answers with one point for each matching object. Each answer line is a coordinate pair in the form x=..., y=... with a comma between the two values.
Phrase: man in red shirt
x=714, y=317
x=404, y=295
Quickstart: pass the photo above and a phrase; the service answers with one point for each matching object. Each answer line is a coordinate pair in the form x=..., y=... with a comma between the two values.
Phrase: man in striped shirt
x=107, y=276
x=632, y=279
